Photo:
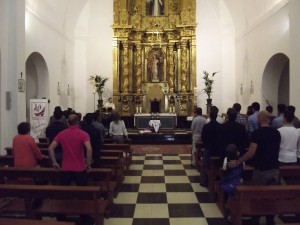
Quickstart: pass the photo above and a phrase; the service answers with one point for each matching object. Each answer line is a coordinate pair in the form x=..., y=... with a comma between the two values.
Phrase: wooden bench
x=8, y=160
x=102, y=177
x=115, y=163
x=69, y=200
x=264, y=200
x=199, y=157
x=213, y=172
x=9, y=151
x=289, y=173
x=6, y=221
x=123, y=147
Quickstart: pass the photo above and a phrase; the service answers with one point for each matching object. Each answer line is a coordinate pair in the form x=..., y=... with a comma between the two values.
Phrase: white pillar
x=12, y=48
x=294, y=13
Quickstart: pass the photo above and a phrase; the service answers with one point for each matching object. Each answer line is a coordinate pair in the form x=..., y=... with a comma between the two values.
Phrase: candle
x=195, y=95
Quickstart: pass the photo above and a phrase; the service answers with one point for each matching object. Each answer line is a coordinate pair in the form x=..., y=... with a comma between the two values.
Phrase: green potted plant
x=208, y=82
x=98, y=82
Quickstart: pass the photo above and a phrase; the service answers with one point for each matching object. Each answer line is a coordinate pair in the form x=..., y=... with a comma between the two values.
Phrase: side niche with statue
x=154, y=51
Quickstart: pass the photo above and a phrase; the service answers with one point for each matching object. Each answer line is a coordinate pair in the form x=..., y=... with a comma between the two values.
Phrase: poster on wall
x=38, y=117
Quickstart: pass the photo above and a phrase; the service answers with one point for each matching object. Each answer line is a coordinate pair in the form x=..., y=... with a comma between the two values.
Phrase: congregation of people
x=258, y=138
x=75, y=144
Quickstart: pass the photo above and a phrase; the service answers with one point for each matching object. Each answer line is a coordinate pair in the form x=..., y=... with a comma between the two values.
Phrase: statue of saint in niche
x=155, y=7
x=155, y=65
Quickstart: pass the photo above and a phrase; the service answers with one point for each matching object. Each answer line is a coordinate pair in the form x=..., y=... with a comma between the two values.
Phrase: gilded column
x=139, y=69
x=184, y=66
x=125, y=60
x=171, y=68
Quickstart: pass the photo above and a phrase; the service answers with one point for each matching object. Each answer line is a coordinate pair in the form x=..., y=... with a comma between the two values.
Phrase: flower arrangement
x=208, y=82
x=98, y=82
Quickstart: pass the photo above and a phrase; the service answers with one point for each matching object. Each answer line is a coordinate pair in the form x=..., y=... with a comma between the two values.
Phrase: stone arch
x=275, y=80
x=37, y=79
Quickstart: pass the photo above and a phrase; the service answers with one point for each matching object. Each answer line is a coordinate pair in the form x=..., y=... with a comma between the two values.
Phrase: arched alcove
x=37, y=79
x=275, y=81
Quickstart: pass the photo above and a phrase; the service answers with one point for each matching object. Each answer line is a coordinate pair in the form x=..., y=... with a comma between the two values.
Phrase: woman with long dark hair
x=117, y=129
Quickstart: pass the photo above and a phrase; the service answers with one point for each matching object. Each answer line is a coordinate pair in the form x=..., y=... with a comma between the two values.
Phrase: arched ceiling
x=64, y=13
x=245, y=13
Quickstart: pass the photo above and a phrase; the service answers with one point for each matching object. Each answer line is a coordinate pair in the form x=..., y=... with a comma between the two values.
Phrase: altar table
x=167, y=120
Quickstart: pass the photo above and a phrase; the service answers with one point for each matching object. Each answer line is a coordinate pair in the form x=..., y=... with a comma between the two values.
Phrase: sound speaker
x=8, y=100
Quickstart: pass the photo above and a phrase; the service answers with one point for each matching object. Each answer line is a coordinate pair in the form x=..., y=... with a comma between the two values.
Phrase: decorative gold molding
x=172, y=35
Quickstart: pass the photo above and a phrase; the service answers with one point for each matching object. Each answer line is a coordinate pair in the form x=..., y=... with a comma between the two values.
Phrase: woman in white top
x=117, y=129
x=289, y=140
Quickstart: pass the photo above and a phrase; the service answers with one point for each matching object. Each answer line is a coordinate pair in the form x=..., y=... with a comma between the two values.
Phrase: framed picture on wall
x=21, y=85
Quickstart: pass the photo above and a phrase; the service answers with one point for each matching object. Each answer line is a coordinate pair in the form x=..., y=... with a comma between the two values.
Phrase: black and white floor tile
x=164, y=190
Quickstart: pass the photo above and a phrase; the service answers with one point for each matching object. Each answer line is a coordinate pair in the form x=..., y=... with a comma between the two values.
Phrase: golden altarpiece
x=154, y=51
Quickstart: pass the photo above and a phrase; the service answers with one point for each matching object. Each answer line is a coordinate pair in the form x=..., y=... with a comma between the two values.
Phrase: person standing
x=296, y=121
x=96, y=142
x=298, y=147
x=269, y=109
x=54, y=129
x=97, y=124
x=289, y=140
x=25, y=151
x=210, y=139
x=117, y=129
x=252, y=120
x=219, y=119
x=198, y=123
x=264, y=148
x=239, y=118
x=73, y=141
x=232, y=132
x=57, y=109
x=110, y=104
x=278, y=121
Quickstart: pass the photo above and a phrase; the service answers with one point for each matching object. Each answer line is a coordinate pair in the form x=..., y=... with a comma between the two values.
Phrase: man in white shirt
x=197, y=125
x=289, y=140
x=110, y=104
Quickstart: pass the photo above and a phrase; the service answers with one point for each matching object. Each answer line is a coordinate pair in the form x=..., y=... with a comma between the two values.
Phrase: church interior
x=154, y=54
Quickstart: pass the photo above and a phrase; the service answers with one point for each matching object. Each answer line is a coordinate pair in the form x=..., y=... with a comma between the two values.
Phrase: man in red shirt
x=73, y=141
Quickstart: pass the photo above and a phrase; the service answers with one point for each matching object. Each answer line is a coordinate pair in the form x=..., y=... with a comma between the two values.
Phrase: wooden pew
x=8, y=160
x=213, y=172
x=6, y=221
x=199, y=157
x=115, y=163
x=43, y=145
x=9, y=151
x=14, y=175
x=69, y=200
x=264, y=200
x=102, y=177
x=289, y=173
x=123, y=147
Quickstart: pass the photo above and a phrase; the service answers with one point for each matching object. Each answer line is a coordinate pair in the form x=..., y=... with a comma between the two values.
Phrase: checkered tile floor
x=164, y=190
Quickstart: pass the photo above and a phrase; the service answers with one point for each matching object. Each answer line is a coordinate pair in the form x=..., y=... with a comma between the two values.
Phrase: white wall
x=93, y=52
x=56, y=48
x=294, y=45
x=255, y=47
x=12, y=46
x=215, y=52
